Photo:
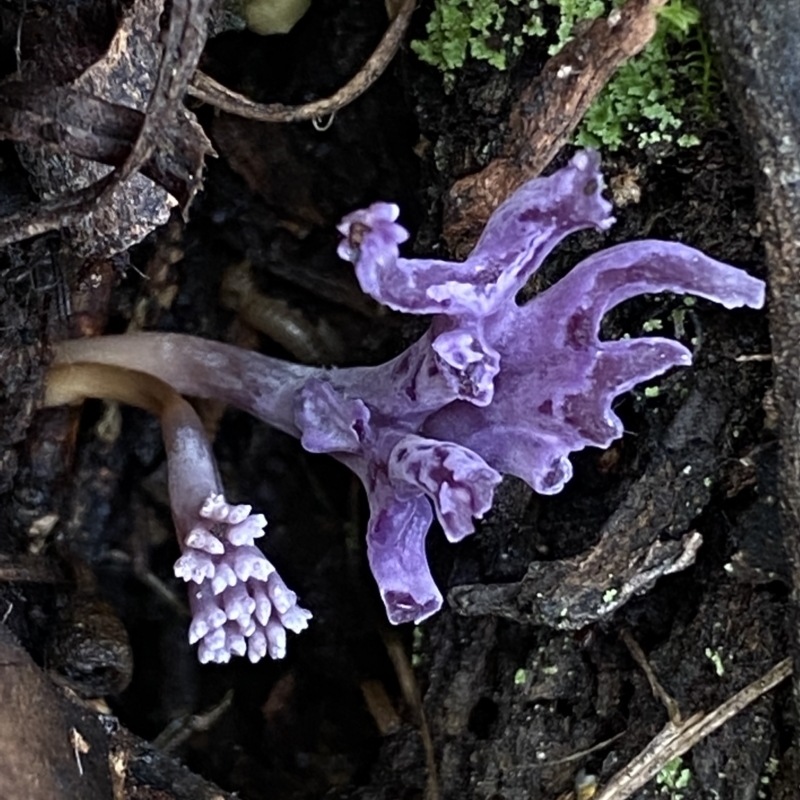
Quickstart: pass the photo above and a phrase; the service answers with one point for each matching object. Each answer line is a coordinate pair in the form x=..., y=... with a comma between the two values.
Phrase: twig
x=667, y=700
x=179, y=730
x=411, y=694
x=544, y=117
x=675, y=740
x=209, y=91
x=576, y=756
x=18, y=40
x=754, y=357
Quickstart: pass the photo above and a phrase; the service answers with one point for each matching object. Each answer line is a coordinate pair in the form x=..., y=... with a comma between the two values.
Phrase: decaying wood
x=68, y=120
x=675, y=740
x=545, y=116
x=142, y=68
x=55, y=748
x=761, y=61
x=638, y=543
x=37, y=759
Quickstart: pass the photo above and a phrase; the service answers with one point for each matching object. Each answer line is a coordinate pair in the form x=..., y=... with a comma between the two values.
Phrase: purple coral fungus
x=239, y=602
x=490, y=388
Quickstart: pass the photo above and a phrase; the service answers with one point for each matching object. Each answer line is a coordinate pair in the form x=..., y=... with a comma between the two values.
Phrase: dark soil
x=507, y=701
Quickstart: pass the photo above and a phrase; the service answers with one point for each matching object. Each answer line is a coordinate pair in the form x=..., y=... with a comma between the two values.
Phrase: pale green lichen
x=645, y=103
x=652, y=325
x=520, y=677
x=716, y=659
x=460, y=28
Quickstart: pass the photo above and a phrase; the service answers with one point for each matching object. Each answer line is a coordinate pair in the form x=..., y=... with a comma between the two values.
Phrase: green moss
x=646, y=102
x=674, y=777
x=461, y=28
x=520, y=677
x=651, y=96
x=571, y=12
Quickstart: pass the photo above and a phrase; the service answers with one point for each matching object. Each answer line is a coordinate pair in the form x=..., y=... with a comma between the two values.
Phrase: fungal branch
x=238, y=601
x=491, y=388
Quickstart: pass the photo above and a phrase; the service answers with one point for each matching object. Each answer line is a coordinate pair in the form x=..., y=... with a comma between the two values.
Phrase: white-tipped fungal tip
x=256, y=646
x=194, y=566
x=240, y=605
x=197, y=630
x=215, y=640
x=295, y=619
x=201, y=539
x=214, y=508
x=276, y=639
x=238, y=514
x=235, y=644
x=263, y=608
x=281, y=596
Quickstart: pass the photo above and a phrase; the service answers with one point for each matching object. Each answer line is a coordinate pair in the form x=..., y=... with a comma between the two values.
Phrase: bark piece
x=761, y=62
x=39, y=757
x=147, y=69
x=52, y=748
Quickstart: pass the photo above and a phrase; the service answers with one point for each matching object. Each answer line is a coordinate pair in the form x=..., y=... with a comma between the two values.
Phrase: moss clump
x=477, y=28
x=674, y=777
x=650, y=96
x=646, y=101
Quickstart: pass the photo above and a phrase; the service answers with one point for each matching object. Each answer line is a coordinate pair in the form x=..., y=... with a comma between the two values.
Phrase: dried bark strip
x=761, y=62
x=675, y=740
x=68, y=120
x=545, y=116
x=50, y=216
x=36, y=760
x=205, y=88
x=183, y=43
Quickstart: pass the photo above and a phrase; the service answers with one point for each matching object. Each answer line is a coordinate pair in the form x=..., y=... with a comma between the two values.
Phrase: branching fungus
x=492, y=387
x=238, y=601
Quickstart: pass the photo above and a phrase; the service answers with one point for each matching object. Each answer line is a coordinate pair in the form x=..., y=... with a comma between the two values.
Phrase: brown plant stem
x=547, y=112
x=205, y=88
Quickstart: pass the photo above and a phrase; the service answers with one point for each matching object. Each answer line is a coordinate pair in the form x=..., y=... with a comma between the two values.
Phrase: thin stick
x=675, y=740
x=659, y=692
x=215, y=94
x=411, y=694
x=179, y=730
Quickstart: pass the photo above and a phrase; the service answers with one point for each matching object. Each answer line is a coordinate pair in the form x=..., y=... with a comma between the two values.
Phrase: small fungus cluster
x=491, y=388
